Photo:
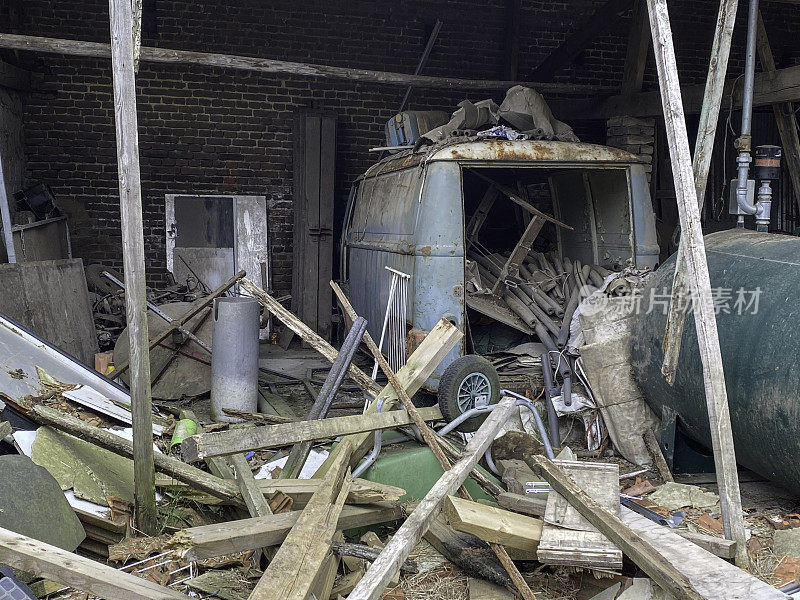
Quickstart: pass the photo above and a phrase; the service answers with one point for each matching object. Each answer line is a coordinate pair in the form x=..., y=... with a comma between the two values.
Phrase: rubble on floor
x=428, y=515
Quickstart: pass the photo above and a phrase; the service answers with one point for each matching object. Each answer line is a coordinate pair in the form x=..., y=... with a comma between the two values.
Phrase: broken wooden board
x=33, y=556
x=495, y=308
x=233, y=441
x=567, y=537
x=361, y=491
x=526, y=505
x=218, y=539
x=493, y=524
x=712, y=577
x=299, y=562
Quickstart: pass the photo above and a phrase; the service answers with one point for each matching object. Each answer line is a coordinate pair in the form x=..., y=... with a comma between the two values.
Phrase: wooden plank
x=301, y=557
x=254, y=499
x=130, y=200
x=327, y=166
x=422, y=362
x=567, y=537
x=703, y=150
x=493, y=524
x=525, y=505
x=648, y=558
x=220, y=539
x=520, y=251
x=266, y=65
x=699, y=282
x=520, y=201
x=307, y=334
x=784, y=113
x=361, y=491
x=716, y=546
x=712, y=577
x=478, y=218
x=595, y=24
x=380, y=573
x=638, y=47
x=654, y=450
x=219, y=488
x=33, y=556
x=219, y=443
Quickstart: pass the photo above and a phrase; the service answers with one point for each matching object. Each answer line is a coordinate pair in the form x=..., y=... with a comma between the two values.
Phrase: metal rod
x=744, y=141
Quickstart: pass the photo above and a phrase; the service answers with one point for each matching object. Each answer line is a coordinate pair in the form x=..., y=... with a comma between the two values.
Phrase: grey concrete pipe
x=234, y=362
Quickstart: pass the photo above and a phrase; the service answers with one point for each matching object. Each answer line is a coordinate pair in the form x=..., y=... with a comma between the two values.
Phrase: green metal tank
x=755, y=278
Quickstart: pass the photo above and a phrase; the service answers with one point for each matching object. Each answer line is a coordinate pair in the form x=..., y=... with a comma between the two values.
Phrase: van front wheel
x=468, y=379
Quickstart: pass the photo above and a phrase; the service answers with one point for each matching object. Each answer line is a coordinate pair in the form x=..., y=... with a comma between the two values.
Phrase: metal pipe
x=523, y=401
x=370, y=458
x=744, y=142
x=552, y=417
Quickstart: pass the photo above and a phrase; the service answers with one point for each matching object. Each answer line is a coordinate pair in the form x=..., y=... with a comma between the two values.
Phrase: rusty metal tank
x=755, y=278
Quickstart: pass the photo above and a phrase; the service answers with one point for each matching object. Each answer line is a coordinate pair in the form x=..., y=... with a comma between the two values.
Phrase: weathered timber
x=254, y=499
x=493, y=524
x=33, y=556
x=192, y=476
x=699, y=281
x=646, y=557
x=301, y=557
x=130, y=201
x=220, y=443
x=399, y=547
x=638, y=47
x=266, y=65
x=307, y=334
x=368, y=553
x=422, y=362
x=703, y=150
x=361, y=491
x=525, y=505
x=654, y=450
x=219, y=539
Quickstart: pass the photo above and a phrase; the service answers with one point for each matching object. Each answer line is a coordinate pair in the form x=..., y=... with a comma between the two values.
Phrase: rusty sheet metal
x=533, y=150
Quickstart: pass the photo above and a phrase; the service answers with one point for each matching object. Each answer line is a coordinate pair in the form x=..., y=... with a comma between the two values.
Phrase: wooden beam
x=639, y=550
x=493, y=524
x=200, y=480
x=699, y=281
x=395, y=553
x=520, y=251
x=595, y=24
x=86, y=575
x=703, y=150
x=220, y=443
x=784, y=114
x=220, y=539
x=419, y=366
x=638, y=49
x=783, y=85
x=307, y=334
x=300, y=559
x=526, y=505
x=253, y=496
x=130, y=200
x=266, y=65
x=361, y=491
x=712, y=577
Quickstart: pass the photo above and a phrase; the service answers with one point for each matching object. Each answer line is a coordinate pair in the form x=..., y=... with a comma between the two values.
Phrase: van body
x=408, y=212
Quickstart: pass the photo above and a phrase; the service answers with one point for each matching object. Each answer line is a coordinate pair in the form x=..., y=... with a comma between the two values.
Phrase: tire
x=469, y=370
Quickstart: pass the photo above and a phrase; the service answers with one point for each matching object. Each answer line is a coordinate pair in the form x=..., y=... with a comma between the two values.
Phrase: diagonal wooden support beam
x=703, y=150
x=784, y=113
x=520, y=251
x=595, y=24
x=638, y=48
x=699, y=281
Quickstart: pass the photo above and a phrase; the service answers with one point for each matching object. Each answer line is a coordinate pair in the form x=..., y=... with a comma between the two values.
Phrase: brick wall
x=218, y=131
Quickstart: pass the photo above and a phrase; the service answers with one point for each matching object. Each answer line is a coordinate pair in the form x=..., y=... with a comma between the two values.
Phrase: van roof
x=504, y=151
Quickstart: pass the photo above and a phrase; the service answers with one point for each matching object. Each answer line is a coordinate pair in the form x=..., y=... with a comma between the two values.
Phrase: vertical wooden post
x=130, y=200
x=137, y=32
x=703, y=149
x=784, y=114
x=638, y=47
x=697, y=272
x=5, y=213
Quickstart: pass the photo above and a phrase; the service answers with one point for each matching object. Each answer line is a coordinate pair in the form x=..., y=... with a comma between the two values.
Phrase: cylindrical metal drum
x=755, y=280
x=234, y=362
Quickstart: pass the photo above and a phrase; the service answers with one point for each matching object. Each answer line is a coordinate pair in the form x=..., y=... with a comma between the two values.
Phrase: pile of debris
x=268, y=507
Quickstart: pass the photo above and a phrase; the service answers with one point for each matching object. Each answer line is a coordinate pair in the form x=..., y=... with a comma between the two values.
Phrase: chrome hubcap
x=473, y=387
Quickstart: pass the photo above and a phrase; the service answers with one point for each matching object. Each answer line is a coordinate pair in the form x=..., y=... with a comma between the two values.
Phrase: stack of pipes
x=546, y=292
